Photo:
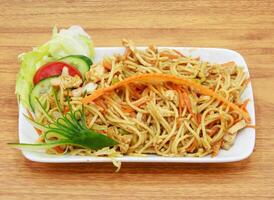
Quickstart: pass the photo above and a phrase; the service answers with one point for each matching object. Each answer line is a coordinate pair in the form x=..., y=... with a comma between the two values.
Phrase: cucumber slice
x=82, y=63
x=39, y=89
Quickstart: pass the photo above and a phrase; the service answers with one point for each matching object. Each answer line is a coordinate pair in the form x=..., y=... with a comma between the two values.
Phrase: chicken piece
x=229, y=67
x=95, y=73
x=77, y=92
x=88, y=88
x=236, y=127
x=124, y=140
x=67, y=81
x=230, y=137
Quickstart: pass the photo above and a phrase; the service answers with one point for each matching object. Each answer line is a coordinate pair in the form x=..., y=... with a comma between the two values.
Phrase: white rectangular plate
x=242, y=148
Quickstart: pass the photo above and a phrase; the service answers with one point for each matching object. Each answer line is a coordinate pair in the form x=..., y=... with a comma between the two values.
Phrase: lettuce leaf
x=71, y=41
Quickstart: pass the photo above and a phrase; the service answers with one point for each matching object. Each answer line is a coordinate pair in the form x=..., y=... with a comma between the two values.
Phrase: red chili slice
x=54, y=69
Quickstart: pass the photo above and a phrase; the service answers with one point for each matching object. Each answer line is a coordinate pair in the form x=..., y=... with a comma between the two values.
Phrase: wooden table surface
x=244, y=26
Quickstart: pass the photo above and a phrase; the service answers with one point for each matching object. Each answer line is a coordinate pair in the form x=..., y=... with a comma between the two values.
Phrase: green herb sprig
x=69, y=129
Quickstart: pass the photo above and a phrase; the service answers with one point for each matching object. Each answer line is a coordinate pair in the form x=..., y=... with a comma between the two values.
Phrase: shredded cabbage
x=71, y=41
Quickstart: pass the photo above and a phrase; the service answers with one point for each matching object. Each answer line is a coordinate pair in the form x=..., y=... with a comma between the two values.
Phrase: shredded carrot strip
x=181, y=102
x=199, y=118
x=101, y=103
x=39, y=132
x=251, y=126
x=107, y=63
x=184, y=100
x=127, y=52
x=213, y=131
x=159, y=78
x=170, y=56
x=104, y=132
x=216, y=148
x=140, y=102
x=58, y=149
x=192, y=147
x=132, y=114
x=181, y=98
x=244, y=105
x=66, y=110
x=247, y=81
x=127, y=108
x=178, y=52
x=188, y=104
x=134, y=92
x=229, y=64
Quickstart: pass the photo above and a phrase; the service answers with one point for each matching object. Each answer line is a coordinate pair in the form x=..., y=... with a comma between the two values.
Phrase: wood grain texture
x=245, y=26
